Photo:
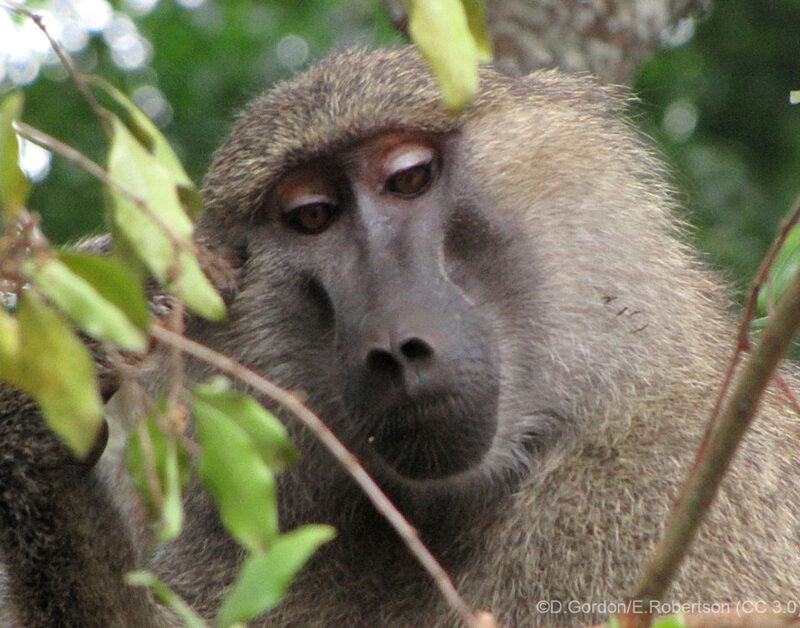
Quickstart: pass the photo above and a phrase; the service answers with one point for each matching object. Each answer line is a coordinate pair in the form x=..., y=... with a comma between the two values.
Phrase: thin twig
x=348, y=461
x=703, y=482
x=743, y=337
x=77, y=75
x=82, y=161
x=66, y=151
x=788, y=392
x=174, y=365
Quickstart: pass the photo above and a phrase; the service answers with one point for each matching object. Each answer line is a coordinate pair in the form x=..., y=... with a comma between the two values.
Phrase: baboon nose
x=391, y=358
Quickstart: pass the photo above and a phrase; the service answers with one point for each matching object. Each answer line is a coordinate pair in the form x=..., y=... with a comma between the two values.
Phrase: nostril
x=382, y=361
x=389, y=362
x=416, y=349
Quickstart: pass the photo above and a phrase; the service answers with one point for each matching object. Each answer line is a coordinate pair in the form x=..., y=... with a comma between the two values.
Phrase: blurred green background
x=718, y=104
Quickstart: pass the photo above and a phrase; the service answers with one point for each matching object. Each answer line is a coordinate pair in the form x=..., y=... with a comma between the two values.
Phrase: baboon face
x=384, y=266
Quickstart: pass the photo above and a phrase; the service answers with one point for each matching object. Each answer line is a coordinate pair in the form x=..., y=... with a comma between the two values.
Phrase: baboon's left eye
x=411, y=181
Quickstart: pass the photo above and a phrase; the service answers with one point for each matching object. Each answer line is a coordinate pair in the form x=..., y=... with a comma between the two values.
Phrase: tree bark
x=608, y=38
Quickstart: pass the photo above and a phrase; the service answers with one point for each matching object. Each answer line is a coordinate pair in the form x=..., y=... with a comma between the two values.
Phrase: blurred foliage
x=208, y=62
x=718, y=104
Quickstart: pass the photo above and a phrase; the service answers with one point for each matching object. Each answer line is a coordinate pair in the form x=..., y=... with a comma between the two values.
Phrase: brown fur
x=611, y=337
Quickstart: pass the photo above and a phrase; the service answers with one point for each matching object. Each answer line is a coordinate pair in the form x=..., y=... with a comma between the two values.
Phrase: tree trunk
x=608, y=38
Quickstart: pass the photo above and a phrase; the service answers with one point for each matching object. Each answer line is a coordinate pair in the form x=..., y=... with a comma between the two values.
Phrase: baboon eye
x=411, y=181
x=409, y=170
x=307, y=200
x=312, y=217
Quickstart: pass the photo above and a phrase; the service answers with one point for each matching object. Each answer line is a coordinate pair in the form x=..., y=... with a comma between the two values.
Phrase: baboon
x=497, y=311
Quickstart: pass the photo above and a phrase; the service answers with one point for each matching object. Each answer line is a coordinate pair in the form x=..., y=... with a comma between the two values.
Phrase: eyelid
x=291, y=201
x=405, y=157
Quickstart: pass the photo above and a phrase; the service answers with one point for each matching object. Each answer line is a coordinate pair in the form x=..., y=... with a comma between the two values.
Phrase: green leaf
x=79, y=300
x=137, y=170
x=167, y=596
x=673, y=621
x=783, y=272
x=265, y=576
x=267, y=433
x=56, y=368
x=172, y=517
x=172, y=465
x=9, y=348
x=233, y=472
x=196, y=290
x=157, y=144
x=476, y=20
x=115, y=283
x=14, y=185
x=760, y=323
x=440, y=30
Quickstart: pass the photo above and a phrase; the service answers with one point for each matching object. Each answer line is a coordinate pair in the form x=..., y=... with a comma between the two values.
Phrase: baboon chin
x=497, y=312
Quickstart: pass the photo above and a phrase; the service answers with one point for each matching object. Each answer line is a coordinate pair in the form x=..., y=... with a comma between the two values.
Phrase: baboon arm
x=65, y=546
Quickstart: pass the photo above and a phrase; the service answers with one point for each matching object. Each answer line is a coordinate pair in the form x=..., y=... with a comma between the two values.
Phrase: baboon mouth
x=433, y=438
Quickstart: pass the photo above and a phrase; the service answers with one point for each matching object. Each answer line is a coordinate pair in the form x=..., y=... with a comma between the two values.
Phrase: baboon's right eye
x=307, y=201
x=311, y=218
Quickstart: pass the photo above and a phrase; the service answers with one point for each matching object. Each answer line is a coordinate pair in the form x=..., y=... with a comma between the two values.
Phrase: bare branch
x=743, y=338
x=737, y=413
